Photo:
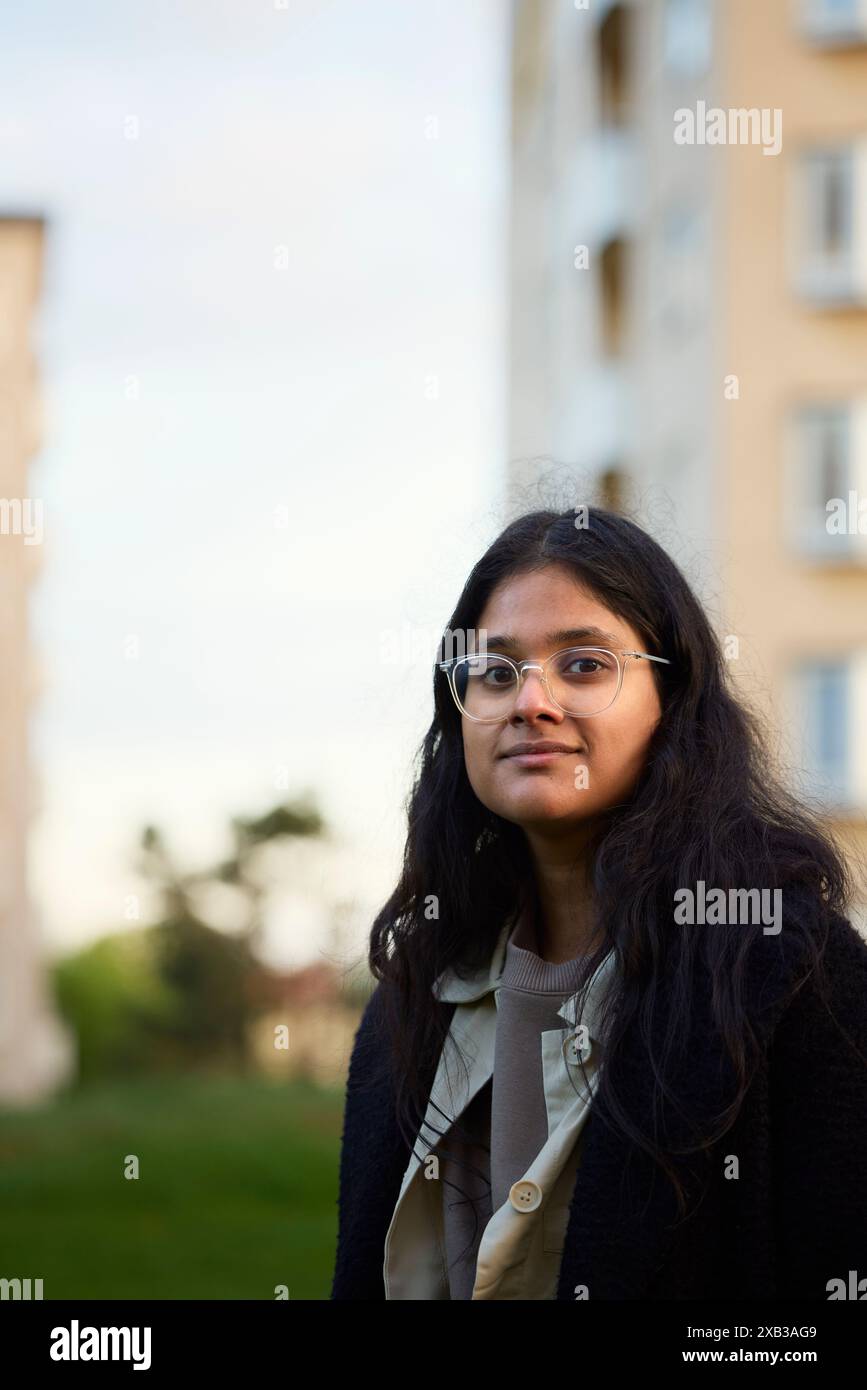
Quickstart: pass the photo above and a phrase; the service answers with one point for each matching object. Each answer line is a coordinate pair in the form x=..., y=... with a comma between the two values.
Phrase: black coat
x=794, y=1218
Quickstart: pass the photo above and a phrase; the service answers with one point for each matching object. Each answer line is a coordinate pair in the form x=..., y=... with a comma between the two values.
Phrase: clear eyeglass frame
x=519, y=667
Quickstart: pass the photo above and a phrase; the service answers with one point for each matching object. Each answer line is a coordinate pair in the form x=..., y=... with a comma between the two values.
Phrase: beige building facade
x=689, y=328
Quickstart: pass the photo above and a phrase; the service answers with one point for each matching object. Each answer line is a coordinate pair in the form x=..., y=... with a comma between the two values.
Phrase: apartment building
x=35, y=1049
x=688, y=275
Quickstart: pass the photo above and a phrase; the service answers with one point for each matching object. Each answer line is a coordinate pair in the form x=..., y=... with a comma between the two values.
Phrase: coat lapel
x=473, y=1032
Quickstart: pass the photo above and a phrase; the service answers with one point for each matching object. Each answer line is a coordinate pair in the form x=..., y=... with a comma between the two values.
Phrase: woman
x=618, y=1044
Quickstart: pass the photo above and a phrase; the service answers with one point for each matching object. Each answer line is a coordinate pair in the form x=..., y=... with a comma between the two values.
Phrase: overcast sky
x=272, y=353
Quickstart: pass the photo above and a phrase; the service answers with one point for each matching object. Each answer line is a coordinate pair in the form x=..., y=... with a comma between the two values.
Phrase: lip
x=539, y=754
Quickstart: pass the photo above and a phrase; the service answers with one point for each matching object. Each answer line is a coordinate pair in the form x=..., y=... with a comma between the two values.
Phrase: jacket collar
x=452, y=988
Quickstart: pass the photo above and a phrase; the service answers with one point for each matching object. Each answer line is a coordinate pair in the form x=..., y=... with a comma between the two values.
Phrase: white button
x=574, y=1052
x=525, y=1195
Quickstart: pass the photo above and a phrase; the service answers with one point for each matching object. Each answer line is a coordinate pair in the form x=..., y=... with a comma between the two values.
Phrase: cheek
x=621, y=751
x=477, y=756
x=485, y=773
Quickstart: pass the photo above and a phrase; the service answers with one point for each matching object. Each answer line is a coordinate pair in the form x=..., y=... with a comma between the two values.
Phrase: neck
x=563, y=912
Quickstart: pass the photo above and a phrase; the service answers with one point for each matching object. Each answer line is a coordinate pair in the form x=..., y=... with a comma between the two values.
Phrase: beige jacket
x=521, y=1246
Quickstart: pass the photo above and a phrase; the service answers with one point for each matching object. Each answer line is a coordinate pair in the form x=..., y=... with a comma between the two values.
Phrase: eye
x=498, y=675
x=585, y=666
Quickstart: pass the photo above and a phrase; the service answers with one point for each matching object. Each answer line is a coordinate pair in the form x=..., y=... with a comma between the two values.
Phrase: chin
x=539, y=809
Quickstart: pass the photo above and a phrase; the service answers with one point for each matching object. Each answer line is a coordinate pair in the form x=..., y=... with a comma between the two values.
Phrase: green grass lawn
x=237, y=1190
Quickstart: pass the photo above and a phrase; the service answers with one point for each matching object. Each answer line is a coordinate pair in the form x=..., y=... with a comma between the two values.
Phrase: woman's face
x=608, y=750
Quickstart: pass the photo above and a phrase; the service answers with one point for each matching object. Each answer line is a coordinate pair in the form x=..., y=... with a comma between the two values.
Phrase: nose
x=532, y=701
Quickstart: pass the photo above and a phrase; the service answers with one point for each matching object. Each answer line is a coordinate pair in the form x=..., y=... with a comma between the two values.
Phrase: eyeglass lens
x=582, y=680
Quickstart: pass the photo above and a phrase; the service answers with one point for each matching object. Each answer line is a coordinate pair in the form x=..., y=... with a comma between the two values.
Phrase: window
x=830, y=724
x=611, y=488
x=831, y=258
x=612, y=66
x=686, y=37
x=612, y=272
x=827, y=491
x=834, y=23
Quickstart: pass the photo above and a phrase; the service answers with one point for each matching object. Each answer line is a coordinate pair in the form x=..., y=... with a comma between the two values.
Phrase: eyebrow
x=566, y=636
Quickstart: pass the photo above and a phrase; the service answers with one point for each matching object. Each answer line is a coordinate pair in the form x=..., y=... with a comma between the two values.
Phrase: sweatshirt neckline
x=525, y=969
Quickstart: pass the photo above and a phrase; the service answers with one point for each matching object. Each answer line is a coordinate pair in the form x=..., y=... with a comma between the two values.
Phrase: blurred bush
x=112, y=995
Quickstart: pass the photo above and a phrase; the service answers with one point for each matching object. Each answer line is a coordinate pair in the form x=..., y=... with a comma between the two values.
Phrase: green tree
x=178, y=993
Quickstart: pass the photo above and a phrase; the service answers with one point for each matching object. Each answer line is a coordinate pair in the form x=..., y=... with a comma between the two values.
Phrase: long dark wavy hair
x=708, y=806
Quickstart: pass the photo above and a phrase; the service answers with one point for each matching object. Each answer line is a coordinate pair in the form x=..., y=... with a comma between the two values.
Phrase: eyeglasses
x=579, y=680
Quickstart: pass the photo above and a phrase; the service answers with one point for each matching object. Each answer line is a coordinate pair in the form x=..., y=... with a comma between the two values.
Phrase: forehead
x=549, y=608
